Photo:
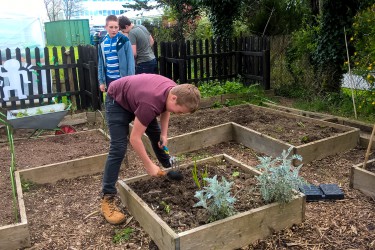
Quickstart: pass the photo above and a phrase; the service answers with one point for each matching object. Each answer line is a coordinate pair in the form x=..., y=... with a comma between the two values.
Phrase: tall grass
x=12, y=168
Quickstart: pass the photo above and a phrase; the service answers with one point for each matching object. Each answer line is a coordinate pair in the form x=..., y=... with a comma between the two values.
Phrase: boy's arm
x=101, y=77
x=137, y=144
x=130, y=59
x=164, y=123
x=151, y=41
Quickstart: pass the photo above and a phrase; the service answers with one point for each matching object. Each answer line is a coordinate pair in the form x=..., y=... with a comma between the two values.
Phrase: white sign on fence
x=15, y=78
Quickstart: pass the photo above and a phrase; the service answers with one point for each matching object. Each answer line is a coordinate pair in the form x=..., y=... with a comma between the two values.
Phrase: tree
x=53, y=8
x=330, y=54
x=274, y=17
x=221, y=14
x=184, y=11
x=71, y=7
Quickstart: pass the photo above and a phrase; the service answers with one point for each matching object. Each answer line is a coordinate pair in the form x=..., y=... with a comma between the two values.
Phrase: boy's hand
x=102, y=87
x=163, y=141
x=153, y=170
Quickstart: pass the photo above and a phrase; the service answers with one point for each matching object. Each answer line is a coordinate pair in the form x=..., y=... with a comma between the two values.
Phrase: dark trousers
x=150, y=67
x=118, y=120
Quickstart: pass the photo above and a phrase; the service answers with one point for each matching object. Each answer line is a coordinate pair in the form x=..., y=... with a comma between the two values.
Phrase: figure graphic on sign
x=12, y=66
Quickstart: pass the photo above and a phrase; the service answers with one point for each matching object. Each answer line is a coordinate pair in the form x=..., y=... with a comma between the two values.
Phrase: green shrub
x=279, y=178
x=216, y=198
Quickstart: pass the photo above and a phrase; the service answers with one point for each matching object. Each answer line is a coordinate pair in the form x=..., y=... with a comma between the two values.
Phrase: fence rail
x=36, y=77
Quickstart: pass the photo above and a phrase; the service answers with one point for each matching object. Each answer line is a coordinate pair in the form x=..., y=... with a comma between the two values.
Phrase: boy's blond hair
x=187, y=95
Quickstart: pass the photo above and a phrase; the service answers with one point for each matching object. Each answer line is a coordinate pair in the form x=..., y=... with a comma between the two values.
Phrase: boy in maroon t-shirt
x=141, y=98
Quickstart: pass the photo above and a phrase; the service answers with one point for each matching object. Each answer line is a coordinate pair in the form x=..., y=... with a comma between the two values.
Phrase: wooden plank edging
x=232, y=232
x=363, y=179
x=16, y=236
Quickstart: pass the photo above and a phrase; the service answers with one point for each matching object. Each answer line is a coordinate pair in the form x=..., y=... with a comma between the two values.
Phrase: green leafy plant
x=194, y=172
x=22, y=114
x=122, y=235
x=279, y=178
x=39, y=111
x=216, y=198
x=27, y=185
x=196, y=178
x=167, y=208
x=235, y=174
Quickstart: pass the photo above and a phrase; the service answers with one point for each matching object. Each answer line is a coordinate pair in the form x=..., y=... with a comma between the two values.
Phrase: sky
x=14, y=8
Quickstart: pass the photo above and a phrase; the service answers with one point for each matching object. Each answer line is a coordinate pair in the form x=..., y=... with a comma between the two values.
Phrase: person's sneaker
x=110, y=211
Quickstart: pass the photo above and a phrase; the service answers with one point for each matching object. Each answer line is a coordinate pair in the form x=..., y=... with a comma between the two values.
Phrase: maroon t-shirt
x=145, y=95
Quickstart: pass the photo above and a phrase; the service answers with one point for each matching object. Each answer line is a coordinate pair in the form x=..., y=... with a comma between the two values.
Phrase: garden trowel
x=173, y=174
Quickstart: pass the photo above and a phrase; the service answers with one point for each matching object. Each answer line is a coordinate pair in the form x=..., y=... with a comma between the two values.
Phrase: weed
x=27, y=185
x=279, y=177
x=236, y=174
x=305, y=139
x=166, y=207
x=216, y=198
x=122, y=235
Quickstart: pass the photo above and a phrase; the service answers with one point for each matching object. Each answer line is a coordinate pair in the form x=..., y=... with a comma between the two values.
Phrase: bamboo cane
x=369, y=147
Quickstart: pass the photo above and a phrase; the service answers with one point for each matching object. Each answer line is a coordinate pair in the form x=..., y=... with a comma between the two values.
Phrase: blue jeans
x=118, y=120
x=150, y=67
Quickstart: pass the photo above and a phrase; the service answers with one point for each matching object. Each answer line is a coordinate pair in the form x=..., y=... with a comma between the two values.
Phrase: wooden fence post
x=81, y=78
x=266, y=70
x=94, y=86
x=70, y=78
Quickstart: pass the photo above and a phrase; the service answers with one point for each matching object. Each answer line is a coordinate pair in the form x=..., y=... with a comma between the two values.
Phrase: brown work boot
x=110, y=211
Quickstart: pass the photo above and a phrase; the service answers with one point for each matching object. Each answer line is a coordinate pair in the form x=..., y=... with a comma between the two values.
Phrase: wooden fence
x=228, y=59
x=45, y=75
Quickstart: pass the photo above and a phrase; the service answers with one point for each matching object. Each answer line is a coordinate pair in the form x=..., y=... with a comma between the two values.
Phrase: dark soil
x=65, y=215
x=295, y=131
x=163, y=194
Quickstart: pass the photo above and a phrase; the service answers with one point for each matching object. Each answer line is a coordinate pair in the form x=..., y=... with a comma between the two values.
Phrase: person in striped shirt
x=115, y=55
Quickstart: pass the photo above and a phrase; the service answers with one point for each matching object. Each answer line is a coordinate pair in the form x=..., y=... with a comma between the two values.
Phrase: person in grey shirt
x=142, y=42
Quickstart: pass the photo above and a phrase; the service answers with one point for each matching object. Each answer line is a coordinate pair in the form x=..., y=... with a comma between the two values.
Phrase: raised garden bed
x=364, y=179
x=259, y=141
x=232, y=232
x=365, y=128
x=14, y=236
x=70, y=202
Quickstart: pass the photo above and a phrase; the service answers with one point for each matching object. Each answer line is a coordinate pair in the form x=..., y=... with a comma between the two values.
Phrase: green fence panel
x=68, y=32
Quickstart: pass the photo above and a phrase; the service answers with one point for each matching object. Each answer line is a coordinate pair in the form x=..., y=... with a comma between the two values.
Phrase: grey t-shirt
x=140, y=37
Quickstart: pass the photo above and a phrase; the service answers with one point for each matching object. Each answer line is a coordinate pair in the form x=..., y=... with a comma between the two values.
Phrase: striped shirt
x=111, y=57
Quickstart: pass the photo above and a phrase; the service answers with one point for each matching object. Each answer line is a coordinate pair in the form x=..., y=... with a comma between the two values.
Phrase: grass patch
x=341, y=104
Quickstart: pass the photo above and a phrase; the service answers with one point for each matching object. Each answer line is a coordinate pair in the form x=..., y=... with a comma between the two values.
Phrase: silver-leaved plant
x=279, y=178
x=216, y=198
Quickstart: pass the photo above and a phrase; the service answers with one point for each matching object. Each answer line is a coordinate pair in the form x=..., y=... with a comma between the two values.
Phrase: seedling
x=27, y=185
x=216, y=198
x=22, y=114
x=167, y=208
x=194, y=172
x=39, y=111
x=122, y=235
x=236, y=174
x=196, y=178
x=301, y=124
x=305, y=139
